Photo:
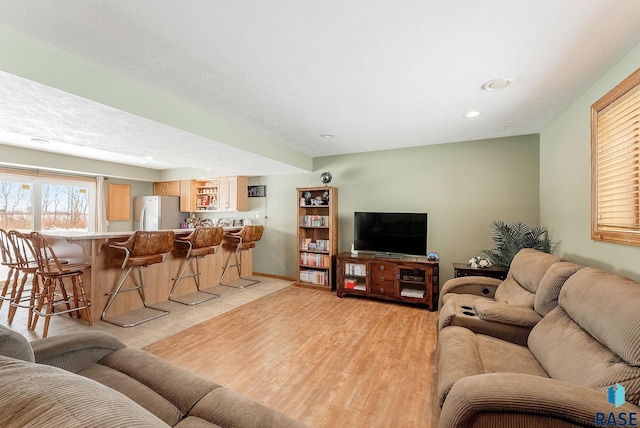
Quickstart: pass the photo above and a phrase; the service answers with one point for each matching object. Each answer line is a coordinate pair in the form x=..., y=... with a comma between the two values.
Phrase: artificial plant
x=511, y=238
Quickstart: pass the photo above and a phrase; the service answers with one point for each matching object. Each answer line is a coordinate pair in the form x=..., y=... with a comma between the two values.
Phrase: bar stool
x=53, y=272
x=199, y=244
x=240, y=241
x=10, y=262
x=27, y=265
x=141, y=250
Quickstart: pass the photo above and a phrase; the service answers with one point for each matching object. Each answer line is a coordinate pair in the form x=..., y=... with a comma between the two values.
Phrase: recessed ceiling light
x=472, y=114
x=327, y=135
x=496, y=84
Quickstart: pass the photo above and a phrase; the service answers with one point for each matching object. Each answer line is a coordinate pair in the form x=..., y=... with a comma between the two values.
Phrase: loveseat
x=506, y=309
x=91, y=379
x=566, y=373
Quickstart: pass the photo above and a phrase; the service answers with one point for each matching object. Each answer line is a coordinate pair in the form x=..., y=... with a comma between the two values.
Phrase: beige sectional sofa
x=91, y=379
x=506, y=309
x=564, y=376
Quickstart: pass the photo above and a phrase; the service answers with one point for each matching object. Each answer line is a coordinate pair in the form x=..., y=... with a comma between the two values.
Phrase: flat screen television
x=390, y=233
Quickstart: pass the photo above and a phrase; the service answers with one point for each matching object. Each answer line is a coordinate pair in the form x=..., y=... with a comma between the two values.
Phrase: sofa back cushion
x=43, y=396
x=15, y=345
x=547, y=295
x=593, y=337
x=525, y=273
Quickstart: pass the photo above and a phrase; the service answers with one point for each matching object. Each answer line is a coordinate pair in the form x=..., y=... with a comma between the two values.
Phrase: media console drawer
x=410, y=279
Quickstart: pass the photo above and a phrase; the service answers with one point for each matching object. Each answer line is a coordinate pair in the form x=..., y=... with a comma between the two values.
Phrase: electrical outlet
x=257, y=214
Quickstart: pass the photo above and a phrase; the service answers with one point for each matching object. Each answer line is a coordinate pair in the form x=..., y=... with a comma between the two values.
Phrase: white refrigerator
x=156, y=212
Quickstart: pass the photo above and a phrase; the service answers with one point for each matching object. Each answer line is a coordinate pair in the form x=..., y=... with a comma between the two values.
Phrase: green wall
x=463, y=186
x=565, y=180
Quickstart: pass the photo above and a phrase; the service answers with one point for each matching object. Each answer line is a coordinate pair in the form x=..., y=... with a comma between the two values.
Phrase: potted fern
x=511, y=238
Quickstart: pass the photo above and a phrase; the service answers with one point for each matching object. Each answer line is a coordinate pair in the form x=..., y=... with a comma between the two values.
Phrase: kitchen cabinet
x=166, y=188
x=232, y=194
x=214, y=195
x=119, y=202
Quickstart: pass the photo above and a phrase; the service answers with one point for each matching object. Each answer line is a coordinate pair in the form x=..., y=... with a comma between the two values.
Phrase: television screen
x=390, y=233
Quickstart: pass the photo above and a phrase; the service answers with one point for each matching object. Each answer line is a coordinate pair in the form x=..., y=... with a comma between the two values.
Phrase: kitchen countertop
x=78, y=236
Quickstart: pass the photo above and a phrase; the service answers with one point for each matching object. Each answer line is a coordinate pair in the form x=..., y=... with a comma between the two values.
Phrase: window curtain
x=101, y=204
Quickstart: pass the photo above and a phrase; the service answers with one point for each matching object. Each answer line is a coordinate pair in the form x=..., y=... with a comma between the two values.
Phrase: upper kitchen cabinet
x=216, y=194
x=232, y=194
x=166, y=188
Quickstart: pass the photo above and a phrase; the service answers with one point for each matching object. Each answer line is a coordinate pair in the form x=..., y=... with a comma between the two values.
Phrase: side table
x=463, y=269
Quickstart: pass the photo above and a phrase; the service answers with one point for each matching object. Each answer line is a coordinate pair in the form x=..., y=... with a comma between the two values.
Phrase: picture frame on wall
x=259, y=191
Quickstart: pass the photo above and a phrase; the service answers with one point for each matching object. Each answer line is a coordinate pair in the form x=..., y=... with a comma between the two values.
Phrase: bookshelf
x=317, y=236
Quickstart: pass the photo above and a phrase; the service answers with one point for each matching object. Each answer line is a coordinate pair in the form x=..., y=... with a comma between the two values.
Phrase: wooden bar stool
x=10, y=262
x=141, y=250
x=26, y=264
x=54, y=290
x=240, y=241
x=198, y=244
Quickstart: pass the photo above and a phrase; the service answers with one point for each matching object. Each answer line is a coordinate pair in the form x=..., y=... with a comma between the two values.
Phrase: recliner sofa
x=511, y=308
x=563, y=376
x=91, y=379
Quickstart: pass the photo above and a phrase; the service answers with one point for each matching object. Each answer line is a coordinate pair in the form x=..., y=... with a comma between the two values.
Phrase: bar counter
x=104, y=274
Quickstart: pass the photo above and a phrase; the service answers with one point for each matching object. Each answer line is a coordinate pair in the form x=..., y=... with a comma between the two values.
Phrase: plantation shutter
x=616, y=163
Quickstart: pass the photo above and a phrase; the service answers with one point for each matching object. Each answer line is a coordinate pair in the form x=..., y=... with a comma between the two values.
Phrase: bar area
x=101, y=279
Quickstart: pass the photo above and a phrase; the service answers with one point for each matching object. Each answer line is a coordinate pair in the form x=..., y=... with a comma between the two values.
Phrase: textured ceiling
x=376, y=74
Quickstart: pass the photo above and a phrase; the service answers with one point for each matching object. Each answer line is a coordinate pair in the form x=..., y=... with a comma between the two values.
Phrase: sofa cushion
x=525, y=273
x=152, y=381
x=138, y=392
x=547, y=294
x=39, y=395
x=15, y=345
x=504, y=313
x=228, y=409
x=464, y=353
x=593, y=337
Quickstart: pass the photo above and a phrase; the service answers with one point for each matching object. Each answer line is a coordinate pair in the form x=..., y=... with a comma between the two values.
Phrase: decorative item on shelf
x=433, y=256
x=511, y=238
x=326, y=177
x=307, y=197
x=325, y=197
x=479, y=262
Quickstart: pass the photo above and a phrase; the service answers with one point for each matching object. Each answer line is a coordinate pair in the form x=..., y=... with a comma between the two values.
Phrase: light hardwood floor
x=327, y=361
x=320, y=359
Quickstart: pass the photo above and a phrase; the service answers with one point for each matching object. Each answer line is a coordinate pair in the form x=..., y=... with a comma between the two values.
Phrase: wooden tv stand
x=409, y=279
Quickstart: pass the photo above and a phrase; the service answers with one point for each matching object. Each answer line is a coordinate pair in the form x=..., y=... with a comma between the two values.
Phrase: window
x=46, y=203
x=615, y=164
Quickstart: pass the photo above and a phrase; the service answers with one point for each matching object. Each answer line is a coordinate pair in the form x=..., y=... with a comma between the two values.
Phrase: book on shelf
x=355, y=269
x=350, y=283
x=314, y=277
x=318, y=245
x=311, y=259
x=314, y=220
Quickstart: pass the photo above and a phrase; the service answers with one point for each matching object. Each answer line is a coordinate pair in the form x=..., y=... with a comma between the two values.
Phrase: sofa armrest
x=477, y=285
x=512, y=399
x=505, y=313
x=75, y=351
